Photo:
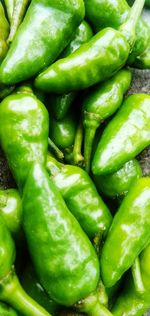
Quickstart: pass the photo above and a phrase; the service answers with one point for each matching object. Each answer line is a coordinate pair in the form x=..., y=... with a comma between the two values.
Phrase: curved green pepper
x=81, y=197
x=62, y=132
x=132, y=224
x=9, y=7
x=125, y=136
x=11, y=209
x=112, y=13
x=23, y=132
x=32, y=286
x=129, y=302
x=94, y=61
x=117, y=184
x=99, y=104
x=43, y=34
x=11, y=291
x=61, y=103
x=64, y=259
x=4, y=31
x=6, y=310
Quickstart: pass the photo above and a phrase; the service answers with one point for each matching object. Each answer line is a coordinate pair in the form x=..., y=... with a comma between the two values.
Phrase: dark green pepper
x=118, y=183
x=11, y=209
x=125, y=136
x=6, y=310
x=112, y=13
x=9, y=7
x=32, y=286
x=99, y=104
x=11, y=291
x=63, y=257
x=132, y=225
x=4, y=31
x=24, y=126
x=81, y=197
x=61, y=103
x=43, y=34
x=147, y=2
x=129, y=303
x=94, y=61
x=143, y=61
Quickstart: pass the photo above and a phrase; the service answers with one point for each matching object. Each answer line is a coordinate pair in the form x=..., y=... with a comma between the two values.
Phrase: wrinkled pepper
x=100, y=103
x=117, y=184
x=81, y=197
x=11, y=210
x=129, y=303
x=112, y=13
x=94, y=61
x=6, y=310
x=132, y=224
x=11, y=290
x=63, y=257
x=127, y=134
x=45, y=31
x=60, y=104
x=4, y=31
x=24, y=124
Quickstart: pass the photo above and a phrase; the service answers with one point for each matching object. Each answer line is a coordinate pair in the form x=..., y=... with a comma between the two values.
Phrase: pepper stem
x=137, y=277
x=12, y=293
x=77, y=156
x=58, y=153
x=129, y=27
x=92, y=307
x=88, y=144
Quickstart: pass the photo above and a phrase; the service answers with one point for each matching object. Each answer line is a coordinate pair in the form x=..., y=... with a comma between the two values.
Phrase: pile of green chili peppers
x=75, y=230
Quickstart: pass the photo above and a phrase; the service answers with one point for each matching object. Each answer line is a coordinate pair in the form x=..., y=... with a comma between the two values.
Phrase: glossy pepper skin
x=100, y=103
x=62, y=132
x=24, y=127
x=9, y=7
x=32, y=286
x=125, y=136
x=112, y=13
x=4, y=31
x=11, y=210
x=94, y=61
x=81, y=197
x=63, y=257
x=52, y=32
x=6, y=310
x=117, y=184
x=61, y=103
x=132, y=224
x=143, y=61
x=129, y=302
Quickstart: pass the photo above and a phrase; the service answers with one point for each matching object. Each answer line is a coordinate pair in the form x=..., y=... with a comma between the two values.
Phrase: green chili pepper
x=62, y=132
x=81, y=197
x=143, y=61
x=118, y=183
x=129, y=302
x=43, y=34
x=32, y=286
x=11, y=291
x=17, y=17
x=4, y=31
x=11, y=209
x=125, y=136
x=9, y=7
x=6, y=310
x=100, y=103
x=23, y=132
x=132, y=224
x=64, y=259
x=61, y=103
x=94, y=61
x=112, y=13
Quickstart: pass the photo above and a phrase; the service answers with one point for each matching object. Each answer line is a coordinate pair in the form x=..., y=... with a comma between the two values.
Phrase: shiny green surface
x=11, y=209
x=19, y=10
x=125, y=136
x=9, y=7
x=112, y=13
x=63, y=257
x=118, y=183
x=44, y=33
x=4, y=31
x=81, y=197
x=143, y=61
x=129, y=233
x=23, y=133
x=129, y=303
